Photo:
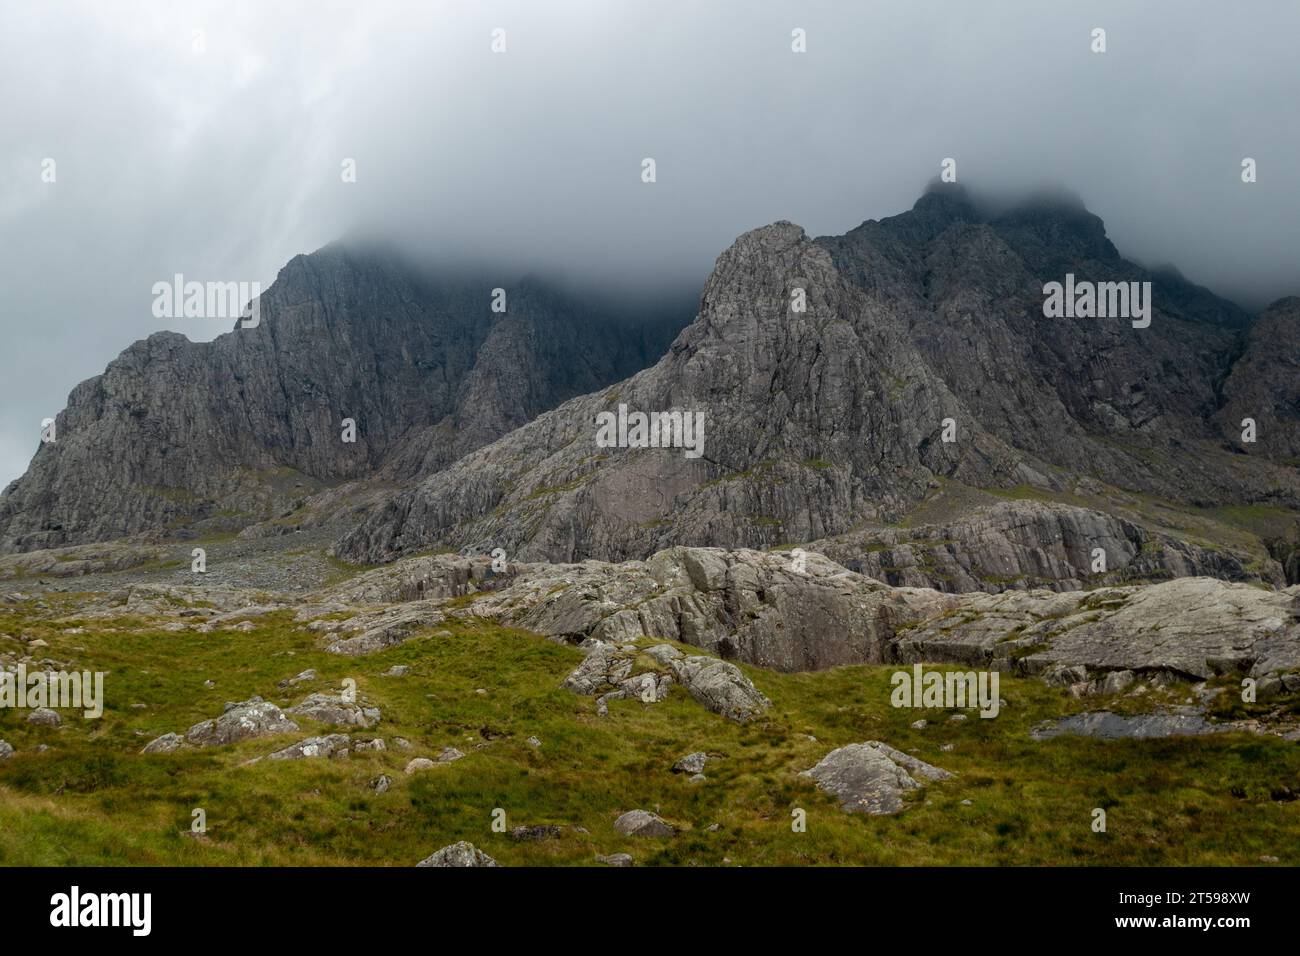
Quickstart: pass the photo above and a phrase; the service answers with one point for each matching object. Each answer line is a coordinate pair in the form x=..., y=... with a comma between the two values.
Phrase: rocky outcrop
x=804, y=612
x=245, y=720
x=1030, y=544
x=340, y=711
x=872, y=777
x=331, y=745
x=617, y=673
x=218, y=435
x=79, y=561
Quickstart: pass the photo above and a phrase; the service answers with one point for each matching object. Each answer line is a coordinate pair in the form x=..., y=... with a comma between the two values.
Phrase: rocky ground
x=701, y=706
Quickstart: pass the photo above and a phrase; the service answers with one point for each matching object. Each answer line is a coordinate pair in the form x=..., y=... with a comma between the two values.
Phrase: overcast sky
x=221, y=163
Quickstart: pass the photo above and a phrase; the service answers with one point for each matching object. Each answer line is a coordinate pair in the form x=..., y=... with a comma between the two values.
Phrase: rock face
x=795, y=613
x=458, y=854
x=1264, y=385
x=1029, y=544
x=818, y=421
x=241, y=721
x=872, y=777
x=222, y=434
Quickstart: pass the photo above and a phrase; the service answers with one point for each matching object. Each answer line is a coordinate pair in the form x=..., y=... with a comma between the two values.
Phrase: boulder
x=458, y=854
x=241, y=721
x=167, y=743
x=329, y=709
x=643, y=823
x=332, y=745
x=871, y=777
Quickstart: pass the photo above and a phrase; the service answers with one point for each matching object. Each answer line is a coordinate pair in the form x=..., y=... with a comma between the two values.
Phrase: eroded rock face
x=241, y=721
x=872, y=777
x=459, y=854
x=1030, y=544
x=755, y=607
x=1194, y=627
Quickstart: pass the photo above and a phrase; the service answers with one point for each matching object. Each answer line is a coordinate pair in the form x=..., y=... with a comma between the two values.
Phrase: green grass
x=93, y=800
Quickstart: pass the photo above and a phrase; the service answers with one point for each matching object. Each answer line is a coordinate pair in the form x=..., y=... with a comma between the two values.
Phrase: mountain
x=197, y=437
x=895, y=397
x=831, y=420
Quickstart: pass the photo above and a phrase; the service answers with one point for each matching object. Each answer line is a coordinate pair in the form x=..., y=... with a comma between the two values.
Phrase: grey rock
x=871, y=777
x=44, y=717
x=307, y=675
x=241, y=721
x=167, y=743
x=691, y=763
x=6, y=750
x=331, y=745
x=721, y=687
x=458, y=854
x=381, y=783
x=329, y=709
x=419, y=763
x=616, y=859
x=1111, y=726
x=643, y=823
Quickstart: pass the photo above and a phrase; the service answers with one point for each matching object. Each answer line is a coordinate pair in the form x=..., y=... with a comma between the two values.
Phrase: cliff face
x=821, y=420
x=837, y=383
x=177, y=434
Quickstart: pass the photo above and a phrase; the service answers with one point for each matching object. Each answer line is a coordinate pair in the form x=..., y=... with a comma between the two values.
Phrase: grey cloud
x=225, y=164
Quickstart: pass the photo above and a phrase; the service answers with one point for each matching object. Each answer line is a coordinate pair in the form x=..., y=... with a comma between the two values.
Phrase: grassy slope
x=92, y=799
